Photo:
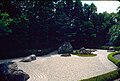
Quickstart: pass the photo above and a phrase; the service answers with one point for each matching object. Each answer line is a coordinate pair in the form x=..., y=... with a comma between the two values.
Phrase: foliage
x=46, y=24
x=104, y=77
x=115, y=33
x=5, y=21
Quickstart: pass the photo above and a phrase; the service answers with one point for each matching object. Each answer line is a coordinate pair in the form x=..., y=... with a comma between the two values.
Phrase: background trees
x=34, y=24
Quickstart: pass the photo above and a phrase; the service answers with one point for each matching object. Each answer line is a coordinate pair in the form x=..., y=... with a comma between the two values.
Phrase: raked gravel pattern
x=74, y=68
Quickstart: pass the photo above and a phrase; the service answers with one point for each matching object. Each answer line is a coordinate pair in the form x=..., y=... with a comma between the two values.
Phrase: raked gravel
x=56, y=68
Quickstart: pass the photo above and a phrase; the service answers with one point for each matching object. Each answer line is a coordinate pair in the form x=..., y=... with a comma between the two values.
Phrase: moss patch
x=86, y=55
x=104, y=77
x=114, y=60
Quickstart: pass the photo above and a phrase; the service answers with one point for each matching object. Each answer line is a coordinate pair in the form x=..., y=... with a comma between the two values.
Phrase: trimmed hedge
x=111, y=58
x=104, y=77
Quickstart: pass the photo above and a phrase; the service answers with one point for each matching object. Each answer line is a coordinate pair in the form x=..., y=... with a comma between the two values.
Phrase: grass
x=104, y=77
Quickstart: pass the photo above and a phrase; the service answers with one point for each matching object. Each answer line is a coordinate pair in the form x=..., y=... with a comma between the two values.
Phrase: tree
x=77, y=11
x=93, y=8
x=65, y=30
x=68, y=7
x=5, y=21
x=115, y=34
x=114, y=31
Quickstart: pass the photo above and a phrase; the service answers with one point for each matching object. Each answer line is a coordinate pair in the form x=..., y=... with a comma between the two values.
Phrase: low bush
x=104, y=77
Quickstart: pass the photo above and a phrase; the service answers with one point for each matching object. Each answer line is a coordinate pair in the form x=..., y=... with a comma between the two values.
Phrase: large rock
x=65, y=48
x=10, y=72
x=17, y=75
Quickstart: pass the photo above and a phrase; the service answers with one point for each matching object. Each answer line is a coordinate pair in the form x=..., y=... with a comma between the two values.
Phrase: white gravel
x=74, y=68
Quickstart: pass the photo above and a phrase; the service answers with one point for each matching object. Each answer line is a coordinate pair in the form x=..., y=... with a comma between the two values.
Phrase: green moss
x=104, y=77
x=111, y=58
x=85, y=55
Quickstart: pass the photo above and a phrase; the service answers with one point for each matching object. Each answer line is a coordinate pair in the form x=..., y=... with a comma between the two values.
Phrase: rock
x=3, y=71
x=83, y=48
x=111, y=49
x=12, y=67
x=33, y=57
x=10, y=72
x=65, y=55
x=26, y=59
x=17, y=75
x=84, y=51
x=3, y=68
x=65, y=48
x=29, y=58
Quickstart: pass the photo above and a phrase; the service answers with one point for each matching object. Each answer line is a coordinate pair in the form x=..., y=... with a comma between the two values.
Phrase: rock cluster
x=10, y=72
